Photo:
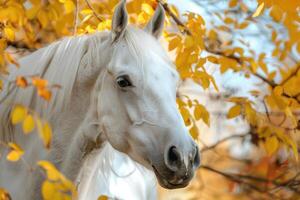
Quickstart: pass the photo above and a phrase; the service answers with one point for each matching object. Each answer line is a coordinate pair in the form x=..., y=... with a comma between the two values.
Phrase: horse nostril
x=173, y=160
x=173, y=155
x=196, y=158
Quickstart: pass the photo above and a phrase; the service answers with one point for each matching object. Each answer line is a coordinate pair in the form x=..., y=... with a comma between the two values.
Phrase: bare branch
x=174, y=17
x=292, y=184
x=94, y=12
x=222, y=141
x=76, y=17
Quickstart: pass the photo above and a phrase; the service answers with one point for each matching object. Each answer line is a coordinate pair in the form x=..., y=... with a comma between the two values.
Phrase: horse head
x=137, y=102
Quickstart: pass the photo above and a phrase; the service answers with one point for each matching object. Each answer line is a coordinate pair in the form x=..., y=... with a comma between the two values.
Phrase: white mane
x=57, y=63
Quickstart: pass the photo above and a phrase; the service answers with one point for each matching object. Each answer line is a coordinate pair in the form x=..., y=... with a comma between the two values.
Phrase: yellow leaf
x=43, y=18
x=276, y=13
x=35, y=2
x=4, y=195
x=87, y=17
x=194, y=132
x=45, y=132
x=39, y=83
x=56, y=185
x=185, y=115
x=213, y=59
x=69, y=6
x=52, y=173
x=142, y=18
x=28, y=124
x=106, y=24
x=232, y=3
x=21, y=82
x=48, y=190
x=9, y=33
x=147, y=8
x=200, y=112
x=272, y=75
x=16, y=152
x=258, y=10
x=234, y=111
x=228, y=20
x=243, y=25
x=102, y=197
x=45, y=93
x=90, y=29
x=174, y=43
x=278, y=90
x=55, y=190
x=18, y=114
x=271, y=144
x=189, y=41
x=32, y=12
x=86, y=12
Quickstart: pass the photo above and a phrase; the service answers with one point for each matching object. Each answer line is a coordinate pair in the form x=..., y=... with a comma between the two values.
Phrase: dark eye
x=123, y=81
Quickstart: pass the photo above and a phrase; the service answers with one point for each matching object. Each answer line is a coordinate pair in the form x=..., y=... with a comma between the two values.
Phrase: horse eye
x=123, y=81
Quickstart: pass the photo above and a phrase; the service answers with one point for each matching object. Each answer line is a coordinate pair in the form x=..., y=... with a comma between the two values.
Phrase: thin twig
x=94, y=12
x=222, y=141
x=76, y=17
x=240, y=177
x=280, y=124
x=174, y=17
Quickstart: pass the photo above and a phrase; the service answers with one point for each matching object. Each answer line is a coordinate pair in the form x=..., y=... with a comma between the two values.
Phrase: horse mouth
x=167, y=184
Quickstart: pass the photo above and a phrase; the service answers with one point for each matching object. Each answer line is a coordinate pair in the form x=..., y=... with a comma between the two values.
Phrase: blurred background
x=234, y=156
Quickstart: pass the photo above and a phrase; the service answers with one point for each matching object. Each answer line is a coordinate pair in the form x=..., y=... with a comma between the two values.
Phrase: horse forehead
x=153, y=61
x=161, y=71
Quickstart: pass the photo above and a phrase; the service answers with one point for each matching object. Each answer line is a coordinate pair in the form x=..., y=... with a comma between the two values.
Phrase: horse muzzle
x=171, y=180
x=174, y=172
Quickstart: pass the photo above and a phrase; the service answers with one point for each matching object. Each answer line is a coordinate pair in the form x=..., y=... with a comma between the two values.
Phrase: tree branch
x=280, y=124
x=94, y=12
x=240, y=178
x=76, y=17
x=222, y=141
x=290, y=76
x=174, y=17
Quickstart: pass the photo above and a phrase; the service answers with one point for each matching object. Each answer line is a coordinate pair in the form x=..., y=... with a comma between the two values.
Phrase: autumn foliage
x=270, y=108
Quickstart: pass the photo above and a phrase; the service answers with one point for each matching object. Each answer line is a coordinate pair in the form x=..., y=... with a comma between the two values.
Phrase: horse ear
x=119, y=21
x=156, y=24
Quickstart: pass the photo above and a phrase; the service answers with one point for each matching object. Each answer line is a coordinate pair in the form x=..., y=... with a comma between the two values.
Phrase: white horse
x=117, y=86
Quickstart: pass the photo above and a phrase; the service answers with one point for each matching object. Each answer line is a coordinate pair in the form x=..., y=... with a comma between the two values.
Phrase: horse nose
x=173, y=159
x=196, y=159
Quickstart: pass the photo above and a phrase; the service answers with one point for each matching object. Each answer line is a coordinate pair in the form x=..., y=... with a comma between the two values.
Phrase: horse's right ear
x=119, y=21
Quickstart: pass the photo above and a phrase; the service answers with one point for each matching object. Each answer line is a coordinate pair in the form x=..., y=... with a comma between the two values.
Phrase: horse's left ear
x=156, y=25
x=119, y=21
